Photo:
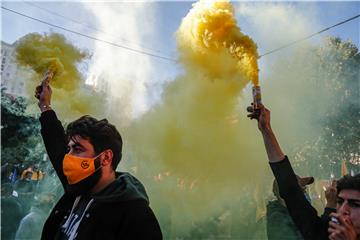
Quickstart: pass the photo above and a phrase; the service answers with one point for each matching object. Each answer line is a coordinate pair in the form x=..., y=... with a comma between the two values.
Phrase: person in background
x=11, y=212
x=25, y=188
x=345, y=224
x=36, y=175
x=279, y=224
x=31, y=225
x=331, y=200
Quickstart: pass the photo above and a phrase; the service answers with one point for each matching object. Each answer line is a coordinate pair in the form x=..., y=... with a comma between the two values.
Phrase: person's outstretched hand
x=262, y=114
x=43, y=92
x=331, y=194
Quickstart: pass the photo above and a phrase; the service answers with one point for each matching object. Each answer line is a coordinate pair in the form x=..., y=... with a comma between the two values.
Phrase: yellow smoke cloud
x=209, y=30
x=199, y=133
x=52, y=52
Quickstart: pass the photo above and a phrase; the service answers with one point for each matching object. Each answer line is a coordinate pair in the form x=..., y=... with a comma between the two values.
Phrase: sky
x=168, y=18
x=150, y=27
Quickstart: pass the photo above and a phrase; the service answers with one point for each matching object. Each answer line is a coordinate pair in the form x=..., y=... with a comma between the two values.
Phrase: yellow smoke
x=209, y=30
x=199, y=133
x=52, y=52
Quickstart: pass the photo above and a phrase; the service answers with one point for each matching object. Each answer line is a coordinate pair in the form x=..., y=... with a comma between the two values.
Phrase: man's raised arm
x=52, y=130
x=303, y=214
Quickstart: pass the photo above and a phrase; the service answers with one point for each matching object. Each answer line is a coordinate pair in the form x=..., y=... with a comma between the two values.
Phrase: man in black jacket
x=98, y=203
x=303, y=214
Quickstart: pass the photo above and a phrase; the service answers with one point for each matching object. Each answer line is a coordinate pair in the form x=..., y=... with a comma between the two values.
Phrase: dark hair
x=348, y=182
x=101, y=134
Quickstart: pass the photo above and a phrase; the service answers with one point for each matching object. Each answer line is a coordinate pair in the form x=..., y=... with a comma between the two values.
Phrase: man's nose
x=344, y=208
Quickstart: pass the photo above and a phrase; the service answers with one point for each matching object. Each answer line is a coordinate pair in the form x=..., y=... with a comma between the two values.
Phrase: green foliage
x=339, y=63
x=20, y=134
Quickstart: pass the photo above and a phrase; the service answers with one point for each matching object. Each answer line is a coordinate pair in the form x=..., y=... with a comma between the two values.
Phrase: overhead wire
x=310, y=36
x=90, y=27
x=91, y=37
x=169, y=58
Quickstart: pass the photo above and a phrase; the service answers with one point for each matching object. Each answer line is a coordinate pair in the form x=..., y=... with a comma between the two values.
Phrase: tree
x=20, y=134
x=339, y=63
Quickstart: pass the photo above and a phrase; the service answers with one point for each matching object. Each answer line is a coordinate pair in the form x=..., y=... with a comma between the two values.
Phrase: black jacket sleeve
x=303, y=214
x=54, y=138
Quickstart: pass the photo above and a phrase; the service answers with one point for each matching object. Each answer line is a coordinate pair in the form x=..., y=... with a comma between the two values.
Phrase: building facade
x=13, y=76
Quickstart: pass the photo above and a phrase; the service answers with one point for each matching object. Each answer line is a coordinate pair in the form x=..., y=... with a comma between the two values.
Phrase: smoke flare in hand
x=53, y=53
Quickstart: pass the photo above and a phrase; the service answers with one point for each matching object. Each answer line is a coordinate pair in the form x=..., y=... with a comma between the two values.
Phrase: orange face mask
x=78, y=168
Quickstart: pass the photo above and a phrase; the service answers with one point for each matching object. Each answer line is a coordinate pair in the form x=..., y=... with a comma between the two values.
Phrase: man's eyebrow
x=349, y=199
x=76, y=144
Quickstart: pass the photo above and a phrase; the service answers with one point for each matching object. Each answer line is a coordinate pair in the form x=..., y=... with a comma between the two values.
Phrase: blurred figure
x=279, y=224
x=11, y=212
x=31, y=225
x=10, y=171
x=5, y=172
x=36, y=173
x=25, y=189
x=331, y=200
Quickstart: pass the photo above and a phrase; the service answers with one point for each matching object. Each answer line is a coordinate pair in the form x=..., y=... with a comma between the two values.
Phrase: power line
x=165, y=57
x=305, y=38
x=90, y=37
x=89, y=26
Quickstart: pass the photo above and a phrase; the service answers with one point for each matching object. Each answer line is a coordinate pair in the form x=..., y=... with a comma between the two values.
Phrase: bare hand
x=343, y=231
x=261, y=114
x=331, y=194
x=43, y=92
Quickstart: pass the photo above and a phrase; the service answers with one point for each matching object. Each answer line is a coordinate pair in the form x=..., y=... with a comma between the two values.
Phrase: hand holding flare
x=43, y=92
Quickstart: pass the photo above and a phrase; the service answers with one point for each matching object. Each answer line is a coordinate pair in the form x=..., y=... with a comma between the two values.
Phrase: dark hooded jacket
x=119, y=211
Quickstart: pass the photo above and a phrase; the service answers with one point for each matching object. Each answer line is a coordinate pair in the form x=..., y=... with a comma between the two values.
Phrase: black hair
x=101, y=134
x=348, y=182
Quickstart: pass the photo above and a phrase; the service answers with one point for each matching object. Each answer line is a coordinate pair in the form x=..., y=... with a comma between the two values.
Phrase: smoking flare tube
x=256, y=92
x=48, y=75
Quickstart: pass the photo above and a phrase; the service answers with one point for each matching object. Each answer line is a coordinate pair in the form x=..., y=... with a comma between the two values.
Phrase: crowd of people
x=97, y=202
x=27, y=194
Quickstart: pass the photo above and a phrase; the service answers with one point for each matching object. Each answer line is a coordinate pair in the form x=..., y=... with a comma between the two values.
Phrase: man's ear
x=107, y=157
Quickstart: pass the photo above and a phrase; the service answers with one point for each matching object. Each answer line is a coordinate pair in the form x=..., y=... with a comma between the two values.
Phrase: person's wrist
x=44, y=106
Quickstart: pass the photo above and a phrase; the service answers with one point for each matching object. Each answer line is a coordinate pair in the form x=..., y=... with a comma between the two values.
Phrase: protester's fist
x=47, y=77
x=43, y=92
x=343, y=230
